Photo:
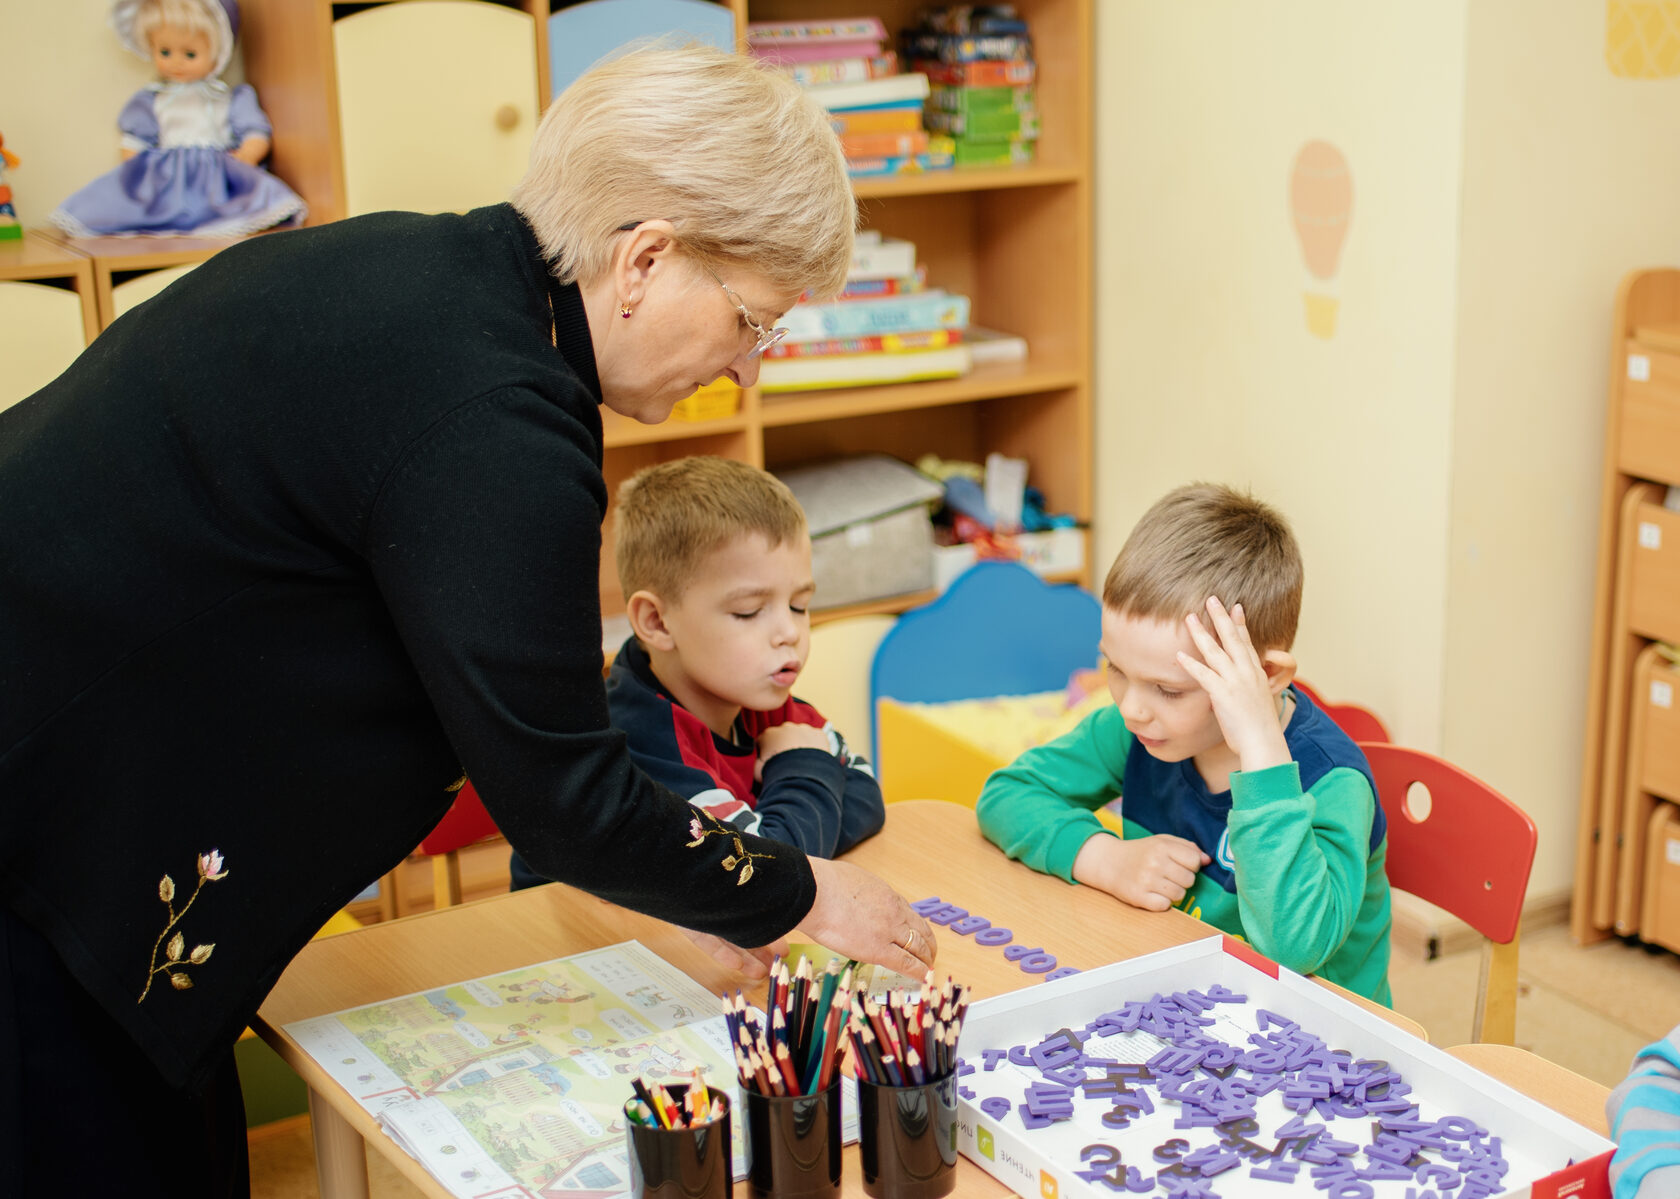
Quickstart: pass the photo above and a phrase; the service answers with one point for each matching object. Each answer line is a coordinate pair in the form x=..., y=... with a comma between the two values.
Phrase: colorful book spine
x=978, y=74
x=852, y=29
x=872, y=93
x=974, y=126
x=844, y=70
x=863, y=370
x=946, y=98
x=902, y=119
x=880, y=343
x=903, y=164
x=795, y=53
x=864, y=318
x=873, y=145
x=874, y=289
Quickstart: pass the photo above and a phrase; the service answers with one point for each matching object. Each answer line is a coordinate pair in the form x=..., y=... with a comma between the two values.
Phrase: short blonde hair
x=1207, y=539
x=731, y=152
x=673, y=516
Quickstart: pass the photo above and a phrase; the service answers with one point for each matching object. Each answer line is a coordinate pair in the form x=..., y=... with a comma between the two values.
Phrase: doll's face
x=180, y=55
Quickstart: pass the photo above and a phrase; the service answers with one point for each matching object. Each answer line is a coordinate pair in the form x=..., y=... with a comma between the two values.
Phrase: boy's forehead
x=1145, y=645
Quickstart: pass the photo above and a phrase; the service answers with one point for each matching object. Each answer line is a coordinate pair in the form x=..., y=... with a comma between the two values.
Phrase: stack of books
x=848, y=69
x=979, y=63
x=887, y=326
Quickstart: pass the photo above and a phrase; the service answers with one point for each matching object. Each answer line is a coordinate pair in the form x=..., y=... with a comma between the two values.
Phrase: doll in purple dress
x=191, y=145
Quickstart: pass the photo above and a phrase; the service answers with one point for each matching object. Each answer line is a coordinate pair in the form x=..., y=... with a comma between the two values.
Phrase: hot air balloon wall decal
x=1321, y=205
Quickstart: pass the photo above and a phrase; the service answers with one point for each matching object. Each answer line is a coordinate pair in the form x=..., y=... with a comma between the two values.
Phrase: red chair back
x=1470, y=852
x=464, y=823
x=1359, y=723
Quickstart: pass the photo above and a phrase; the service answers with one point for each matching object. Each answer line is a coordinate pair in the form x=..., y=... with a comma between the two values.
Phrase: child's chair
x=836, y=676
x=1358, y=722
x=999, y=630
x=1459, y=844
x=466, y=823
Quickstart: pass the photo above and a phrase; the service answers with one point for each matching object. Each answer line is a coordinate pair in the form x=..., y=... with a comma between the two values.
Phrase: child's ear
x=646, y=612
x=1279, y=665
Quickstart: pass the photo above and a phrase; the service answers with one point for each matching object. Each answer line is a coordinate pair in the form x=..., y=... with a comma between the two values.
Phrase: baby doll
x=191, y=145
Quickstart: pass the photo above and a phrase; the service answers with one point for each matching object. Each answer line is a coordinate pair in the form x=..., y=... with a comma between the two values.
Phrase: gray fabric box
x=871, y=535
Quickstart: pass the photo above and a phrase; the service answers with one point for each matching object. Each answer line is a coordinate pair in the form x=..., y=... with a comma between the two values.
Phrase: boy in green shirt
x=1242, y=802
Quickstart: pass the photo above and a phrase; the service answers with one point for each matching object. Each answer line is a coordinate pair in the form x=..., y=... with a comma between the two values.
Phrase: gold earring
x=624, y=311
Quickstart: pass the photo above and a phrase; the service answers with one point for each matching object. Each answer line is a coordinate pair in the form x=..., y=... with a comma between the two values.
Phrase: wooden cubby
x=1629, y=759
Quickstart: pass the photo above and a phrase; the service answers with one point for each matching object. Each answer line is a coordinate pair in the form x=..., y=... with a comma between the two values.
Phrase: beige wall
x=1571, y=179
x=61, y=88
x=1205, y=365
x=1440, y=454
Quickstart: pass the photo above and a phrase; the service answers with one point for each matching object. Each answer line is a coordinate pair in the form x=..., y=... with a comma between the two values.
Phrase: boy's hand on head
x=1235, y=680
x=784, y=737
x=1151, y=873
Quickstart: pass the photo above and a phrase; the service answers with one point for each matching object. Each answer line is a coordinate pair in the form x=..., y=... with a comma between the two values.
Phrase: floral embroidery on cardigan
x=175, y=954
x=742, y=857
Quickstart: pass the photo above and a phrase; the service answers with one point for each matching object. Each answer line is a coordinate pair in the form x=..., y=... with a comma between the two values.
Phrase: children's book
x=872, y=145
x=849, y=29
x=989, y=345
x=988, y=152
x=792, y=54
x=933, y=309
x=939, y=156
x=880, y=343
x=867, y=93
x=874, y=289
x=844, y=70
x=862, y=370
x=903, y=118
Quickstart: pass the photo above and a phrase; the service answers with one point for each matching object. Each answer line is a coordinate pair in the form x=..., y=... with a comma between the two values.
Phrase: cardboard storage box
x=1547, y=1156
x=871, y=535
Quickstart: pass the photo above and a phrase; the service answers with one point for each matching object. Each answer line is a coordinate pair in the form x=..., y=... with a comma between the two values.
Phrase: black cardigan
x=287, y=549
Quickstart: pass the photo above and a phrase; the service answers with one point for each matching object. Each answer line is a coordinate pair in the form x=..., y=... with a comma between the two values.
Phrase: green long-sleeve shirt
x=1298, y=849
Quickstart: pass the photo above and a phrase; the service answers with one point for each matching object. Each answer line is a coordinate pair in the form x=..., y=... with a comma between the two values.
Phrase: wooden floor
x=1589, y=1009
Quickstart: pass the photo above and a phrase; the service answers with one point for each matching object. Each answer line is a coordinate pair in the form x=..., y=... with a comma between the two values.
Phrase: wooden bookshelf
x=1017, y=241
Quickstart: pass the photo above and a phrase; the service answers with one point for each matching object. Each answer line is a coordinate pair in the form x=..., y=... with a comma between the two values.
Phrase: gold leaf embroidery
x=742, y=857
x=210, y=869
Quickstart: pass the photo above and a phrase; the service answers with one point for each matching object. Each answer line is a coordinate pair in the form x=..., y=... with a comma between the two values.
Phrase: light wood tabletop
x=927, y=849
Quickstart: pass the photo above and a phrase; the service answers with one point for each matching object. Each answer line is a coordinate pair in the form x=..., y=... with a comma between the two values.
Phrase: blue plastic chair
x=998, y=630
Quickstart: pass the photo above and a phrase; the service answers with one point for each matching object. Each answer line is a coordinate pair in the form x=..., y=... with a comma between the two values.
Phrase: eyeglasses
x=765, y=338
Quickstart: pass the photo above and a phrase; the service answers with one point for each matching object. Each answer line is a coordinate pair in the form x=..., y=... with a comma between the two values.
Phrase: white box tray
x=1549, y=1156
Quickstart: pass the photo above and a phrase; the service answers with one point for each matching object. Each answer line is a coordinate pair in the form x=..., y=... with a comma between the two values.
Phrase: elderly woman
x=300, y=541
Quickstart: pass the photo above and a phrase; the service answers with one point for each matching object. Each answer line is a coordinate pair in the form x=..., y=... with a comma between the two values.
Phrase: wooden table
x=927, y=849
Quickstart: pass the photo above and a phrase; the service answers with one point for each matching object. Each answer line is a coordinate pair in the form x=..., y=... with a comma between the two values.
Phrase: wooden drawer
x=1653, y=593
x=1660, y=917
x=1648, y=443
x=1656, y=715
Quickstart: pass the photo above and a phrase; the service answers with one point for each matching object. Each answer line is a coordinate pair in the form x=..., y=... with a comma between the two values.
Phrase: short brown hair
x=1207, y=539
x=672, y=516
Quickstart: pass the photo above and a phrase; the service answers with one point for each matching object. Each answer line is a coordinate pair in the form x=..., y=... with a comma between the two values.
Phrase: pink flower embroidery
x=176, y=956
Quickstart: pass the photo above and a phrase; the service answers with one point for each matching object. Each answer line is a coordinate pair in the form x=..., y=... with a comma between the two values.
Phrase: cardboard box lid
x=848, y=490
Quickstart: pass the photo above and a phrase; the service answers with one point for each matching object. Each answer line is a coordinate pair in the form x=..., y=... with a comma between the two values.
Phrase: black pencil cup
x=682, y=1163
x=907, y=1139
x=794, y=1142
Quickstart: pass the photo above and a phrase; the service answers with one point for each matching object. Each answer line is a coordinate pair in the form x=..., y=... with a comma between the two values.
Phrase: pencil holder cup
x=794, y=1142
x=682, y=1163
x=907, y=1139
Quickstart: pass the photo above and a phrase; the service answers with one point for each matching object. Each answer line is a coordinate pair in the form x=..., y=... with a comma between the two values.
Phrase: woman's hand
x=858, y=916
x=754, y=963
